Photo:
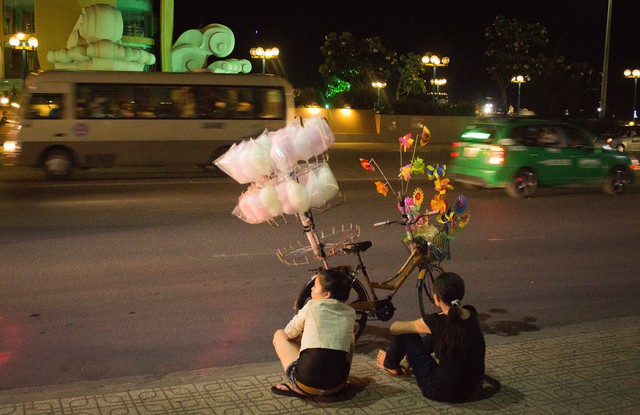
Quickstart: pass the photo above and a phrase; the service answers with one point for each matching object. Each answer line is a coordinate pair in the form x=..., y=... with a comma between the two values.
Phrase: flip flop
x=282, y=392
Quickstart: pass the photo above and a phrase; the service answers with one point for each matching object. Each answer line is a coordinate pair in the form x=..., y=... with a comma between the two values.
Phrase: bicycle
x=426, y=252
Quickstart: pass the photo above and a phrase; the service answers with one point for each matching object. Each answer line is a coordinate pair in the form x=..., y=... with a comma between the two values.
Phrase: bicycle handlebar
x=405, y=221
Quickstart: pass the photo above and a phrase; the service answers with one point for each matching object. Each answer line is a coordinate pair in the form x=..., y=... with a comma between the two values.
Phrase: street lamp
x=264, y=54
x=378, y=85
x=635, y=74
x=519, y=79
x=435, y=61
x=438, y=83
x=24, y=43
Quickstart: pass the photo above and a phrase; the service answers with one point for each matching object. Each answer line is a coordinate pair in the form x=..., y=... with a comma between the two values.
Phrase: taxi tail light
x=455, y=150
x=496, y=155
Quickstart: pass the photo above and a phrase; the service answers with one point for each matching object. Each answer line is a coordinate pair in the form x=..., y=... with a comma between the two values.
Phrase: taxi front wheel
x=617, y=181
x=524, y=184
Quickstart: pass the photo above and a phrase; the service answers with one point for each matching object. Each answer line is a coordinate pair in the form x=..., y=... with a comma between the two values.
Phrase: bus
x=88, y=119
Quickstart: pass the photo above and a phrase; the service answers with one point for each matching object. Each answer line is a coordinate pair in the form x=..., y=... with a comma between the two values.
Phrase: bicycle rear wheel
x=425, y=285
x=357, y=294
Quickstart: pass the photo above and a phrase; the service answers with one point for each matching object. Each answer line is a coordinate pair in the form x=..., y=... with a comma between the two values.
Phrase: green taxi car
x=521, y=154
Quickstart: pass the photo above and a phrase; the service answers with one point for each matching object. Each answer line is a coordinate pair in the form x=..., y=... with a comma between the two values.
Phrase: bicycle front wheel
x=425, y=285
x=357, y=294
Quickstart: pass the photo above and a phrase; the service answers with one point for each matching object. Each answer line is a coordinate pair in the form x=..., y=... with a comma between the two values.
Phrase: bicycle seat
x=357, y=246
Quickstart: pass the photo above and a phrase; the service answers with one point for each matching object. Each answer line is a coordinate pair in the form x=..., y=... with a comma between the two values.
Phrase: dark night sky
x=447, y=27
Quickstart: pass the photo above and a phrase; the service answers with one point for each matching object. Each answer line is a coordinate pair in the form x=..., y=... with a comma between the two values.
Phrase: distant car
x=521, y=154
x=627, y=138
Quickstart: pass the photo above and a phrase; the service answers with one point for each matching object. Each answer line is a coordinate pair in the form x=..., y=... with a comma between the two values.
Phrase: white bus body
x=101, y=119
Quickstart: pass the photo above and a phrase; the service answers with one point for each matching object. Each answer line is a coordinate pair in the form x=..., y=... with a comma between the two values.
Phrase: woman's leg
x=418, y=356
x=286, y=349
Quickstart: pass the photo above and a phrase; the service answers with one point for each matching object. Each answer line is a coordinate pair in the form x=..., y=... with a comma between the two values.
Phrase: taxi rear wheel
x=524, y=184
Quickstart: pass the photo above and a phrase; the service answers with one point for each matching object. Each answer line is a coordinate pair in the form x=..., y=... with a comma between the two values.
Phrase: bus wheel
x=57, y=164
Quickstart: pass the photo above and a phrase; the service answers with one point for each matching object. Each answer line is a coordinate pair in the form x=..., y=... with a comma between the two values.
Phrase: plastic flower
x=425, y=136
x=418, y=197
x=405, y=172
x=461, y=204
x=382, y=188
x=408, y=204
x=406, y=141
x=442, y=185
x=417, y=167
x=366, y=164
x=436, y=171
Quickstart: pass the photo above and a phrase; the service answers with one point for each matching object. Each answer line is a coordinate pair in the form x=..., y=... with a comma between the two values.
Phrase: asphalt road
x=132, y=273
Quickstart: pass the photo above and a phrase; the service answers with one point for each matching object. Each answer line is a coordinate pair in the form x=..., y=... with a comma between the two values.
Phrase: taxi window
x=539, y=136
x=577, y=138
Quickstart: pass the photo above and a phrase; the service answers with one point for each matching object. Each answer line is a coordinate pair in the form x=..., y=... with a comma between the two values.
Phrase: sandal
x=289, y=391
x=400, y=371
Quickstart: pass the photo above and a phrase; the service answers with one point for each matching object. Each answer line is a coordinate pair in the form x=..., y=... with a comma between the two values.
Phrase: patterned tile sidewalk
x=587, y=368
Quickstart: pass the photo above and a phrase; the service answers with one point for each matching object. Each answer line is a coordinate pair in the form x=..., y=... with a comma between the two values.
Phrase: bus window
x=47, y=106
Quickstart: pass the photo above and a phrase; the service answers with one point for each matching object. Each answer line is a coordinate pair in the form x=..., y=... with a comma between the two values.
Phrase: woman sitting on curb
x=316, y=347
x=454, y=335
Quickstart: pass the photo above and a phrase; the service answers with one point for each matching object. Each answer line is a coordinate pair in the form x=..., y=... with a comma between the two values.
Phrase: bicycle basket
x=434, y=245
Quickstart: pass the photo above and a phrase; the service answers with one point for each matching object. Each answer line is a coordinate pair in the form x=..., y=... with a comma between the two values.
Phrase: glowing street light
x=378, y=85
x=264, y=54
x=23, y=42
x=438, y=83
x=435, y=61
x=635, y=74
x=519, y=79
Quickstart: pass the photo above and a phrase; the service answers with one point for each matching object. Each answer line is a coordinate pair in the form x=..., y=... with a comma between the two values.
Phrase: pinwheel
x=405, y=172
x=464, y=220
x=417, y=167
x=442, y=185
x=438, y=203
x=366, y=164
x=425, y=136
x=447, y=217
x=436, y=171
x=382, y=188
x=406, y=141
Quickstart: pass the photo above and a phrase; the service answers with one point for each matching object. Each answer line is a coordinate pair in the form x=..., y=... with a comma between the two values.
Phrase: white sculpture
x=95, y=44
x=193, y=47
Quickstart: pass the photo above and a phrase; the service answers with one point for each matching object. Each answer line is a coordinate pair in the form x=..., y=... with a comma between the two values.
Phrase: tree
x=357, y=62
x=411, y=76
x=516, y=48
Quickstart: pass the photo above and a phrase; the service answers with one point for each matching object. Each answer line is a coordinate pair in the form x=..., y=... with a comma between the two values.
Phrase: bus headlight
x=11, y=147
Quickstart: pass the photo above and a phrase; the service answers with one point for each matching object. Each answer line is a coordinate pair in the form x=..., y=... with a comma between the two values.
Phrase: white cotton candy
x=228, y=163
x=283, y=198
x=327, y=182
x=251, y=208
x=302, y=144
x=298, y=196
x=316, y=143
x=282, y=153
x=258, y=160
x=245, y=162
x=321, y=124
x=269, y=199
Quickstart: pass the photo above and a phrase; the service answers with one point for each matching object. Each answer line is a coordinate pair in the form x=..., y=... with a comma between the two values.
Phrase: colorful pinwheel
x=418, y=197
x=417, y=167
x=425, y=136
x=442, y=185
x=406, y=142
x=436, y=171
x=405, y=172
x=461, y=204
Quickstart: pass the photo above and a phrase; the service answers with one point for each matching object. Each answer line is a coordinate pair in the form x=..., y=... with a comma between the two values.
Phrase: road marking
x=521, y=238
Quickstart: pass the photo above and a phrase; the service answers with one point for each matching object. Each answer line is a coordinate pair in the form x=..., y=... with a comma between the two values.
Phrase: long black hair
x=450, y=289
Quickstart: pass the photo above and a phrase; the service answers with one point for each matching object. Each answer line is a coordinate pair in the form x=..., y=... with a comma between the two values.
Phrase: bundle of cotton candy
x=247, y=161
x=320, y=184
x=258, y=205
x=283, y=154
x=323, y=127
x=308, y=142
x=293, y=196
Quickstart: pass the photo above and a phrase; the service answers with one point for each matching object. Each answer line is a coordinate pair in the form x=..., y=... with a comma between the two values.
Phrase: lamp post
x=519, y=79
x=378, y=85
x=438, y=83
x=24, y=43
x=434, y=61
x=264, y=54
x=635, y=74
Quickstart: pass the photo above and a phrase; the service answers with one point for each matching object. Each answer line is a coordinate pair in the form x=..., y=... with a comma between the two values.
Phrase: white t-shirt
x=327, y=324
